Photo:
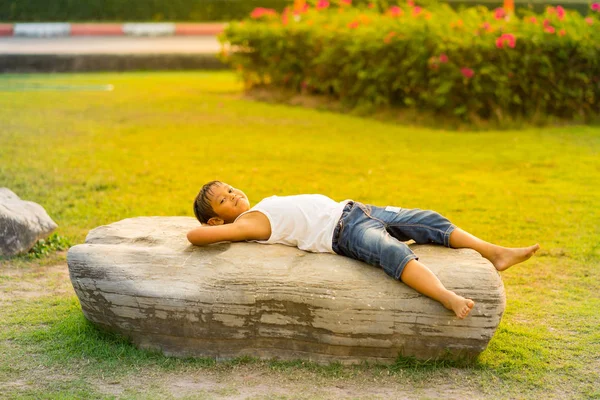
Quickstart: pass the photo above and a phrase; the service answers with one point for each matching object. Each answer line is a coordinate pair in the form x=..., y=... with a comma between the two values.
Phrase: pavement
x=110, y=45
x=109, y=53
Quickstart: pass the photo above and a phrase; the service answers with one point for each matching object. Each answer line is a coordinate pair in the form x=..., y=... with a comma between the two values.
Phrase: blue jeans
x=375, y=235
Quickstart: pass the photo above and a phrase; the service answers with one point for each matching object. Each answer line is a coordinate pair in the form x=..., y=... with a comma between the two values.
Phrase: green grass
x=92, y=158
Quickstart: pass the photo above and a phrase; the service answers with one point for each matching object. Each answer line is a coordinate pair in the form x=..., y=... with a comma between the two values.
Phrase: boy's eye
x=230, y=190
x=222, y=200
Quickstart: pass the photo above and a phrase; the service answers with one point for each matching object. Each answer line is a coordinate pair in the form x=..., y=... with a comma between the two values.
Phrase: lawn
x=145, y=148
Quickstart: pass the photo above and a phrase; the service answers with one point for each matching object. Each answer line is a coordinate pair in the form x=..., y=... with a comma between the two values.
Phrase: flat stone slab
x=141, y=277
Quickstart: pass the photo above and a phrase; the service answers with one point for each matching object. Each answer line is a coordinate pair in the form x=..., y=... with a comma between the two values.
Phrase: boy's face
x=228, y=202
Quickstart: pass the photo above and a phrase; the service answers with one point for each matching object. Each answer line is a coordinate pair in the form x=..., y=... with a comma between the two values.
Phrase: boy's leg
x=420, y=278
x=426, y=226
x=501, y=257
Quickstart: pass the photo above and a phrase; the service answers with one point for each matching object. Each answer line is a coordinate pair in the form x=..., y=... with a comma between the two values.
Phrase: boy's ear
x=215, y=221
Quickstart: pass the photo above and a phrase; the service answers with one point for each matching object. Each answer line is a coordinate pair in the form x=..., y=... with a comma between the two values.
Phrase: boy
x=364, y=232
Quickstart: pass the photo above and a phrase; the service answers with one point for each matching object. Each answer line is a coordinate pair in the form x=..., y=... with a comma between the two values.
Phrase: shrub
x=44, y=247
x=474, y=63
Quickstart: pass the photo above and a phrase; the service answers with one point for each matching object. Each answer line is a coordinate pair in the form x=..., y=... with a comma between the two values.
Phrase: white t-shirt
x=306, y=221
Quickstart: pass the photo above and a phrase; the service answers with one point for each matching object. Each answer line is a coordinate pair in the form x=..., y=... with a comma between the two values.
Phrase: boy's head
x=218, y=203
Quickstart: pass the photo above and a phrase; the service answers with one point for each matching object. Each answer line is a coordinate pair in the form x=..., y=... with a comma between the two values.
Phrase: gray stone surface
x=22, y=224
x=141, y=277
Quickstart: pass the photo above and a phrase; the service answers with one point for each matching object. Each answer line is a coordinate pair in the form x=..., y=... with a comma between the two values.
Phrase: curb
x=96, y=30
x=32, y=63
x=6, y=30
x=59, y=29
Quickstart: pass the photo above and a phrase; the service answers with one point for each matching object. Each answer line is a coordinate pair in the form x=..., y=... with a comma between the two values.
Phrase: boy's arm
x=245, y=229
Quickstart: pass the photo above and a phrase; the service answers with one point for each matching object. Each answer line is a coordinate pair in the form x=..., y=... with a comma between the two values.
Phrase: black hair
x=202, y=208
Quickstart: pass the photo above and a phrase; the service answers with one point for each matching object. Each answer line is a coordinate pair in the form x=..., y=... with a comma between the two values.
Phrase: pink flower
x=443, y=58
x=467, y=72
x=595, y=6
x=389, y=36
x=562, y=32
x=546, y=22
x=499, y=13
x=533, y=20
x=346, y=2
x=560, y=12
x=507, y=38
x=410, y=3
x=353, y=24
x=395, y=11
x=416, y=10
x=589, y=20
x=321, y=4
x=260, y=12
x=487, y=26
x=550, y=29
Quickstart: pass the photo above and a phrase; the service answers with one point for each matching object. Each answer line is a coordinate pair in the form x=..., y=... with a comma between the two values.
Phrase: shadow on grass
x=410, y=116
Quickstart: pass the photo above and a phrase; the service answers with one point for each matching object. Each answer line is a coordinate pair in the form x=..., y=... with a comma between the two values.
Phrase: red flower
x=507, y=38
x=533, y=20
x=353, y=24
x=486, y=26
x=371, y=5
x=321, y=4
x=560, y=12
x=562, y=32
x=389, y=36
x=595, y=6
x=467, y=72
x=395, y=11
x=589, y=20
x=300, y=7
x=443, y=58
x=410, y=3
x=416, y=10
x=260, y=12
x=499, y=13
x=346, y=2
x=549, y=29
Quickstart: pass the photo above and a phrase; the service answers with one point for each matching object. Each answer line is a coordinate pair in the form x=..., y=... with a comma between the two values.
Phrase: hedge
x=130, y=10
x=474, y=63
x=165, y=10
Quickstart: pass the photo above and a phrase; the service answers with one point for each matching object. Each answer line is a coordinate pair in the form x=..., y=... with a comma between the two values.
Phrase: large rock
x=141, y=277
x=22, y=224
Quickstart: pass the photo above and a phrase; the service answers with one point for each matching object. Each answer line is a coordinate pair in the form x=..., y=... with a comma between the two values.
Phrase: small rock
x=22, y=224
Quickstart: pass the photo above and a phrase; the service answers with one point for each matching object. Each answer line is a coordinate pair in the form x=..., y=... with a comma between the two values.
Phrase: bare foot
x=506, y=257
x=461, y=306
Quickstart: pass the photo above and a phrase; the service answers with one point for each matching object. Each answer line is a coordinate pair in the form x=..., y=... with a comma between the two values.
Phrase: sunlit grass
x=92, y=158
